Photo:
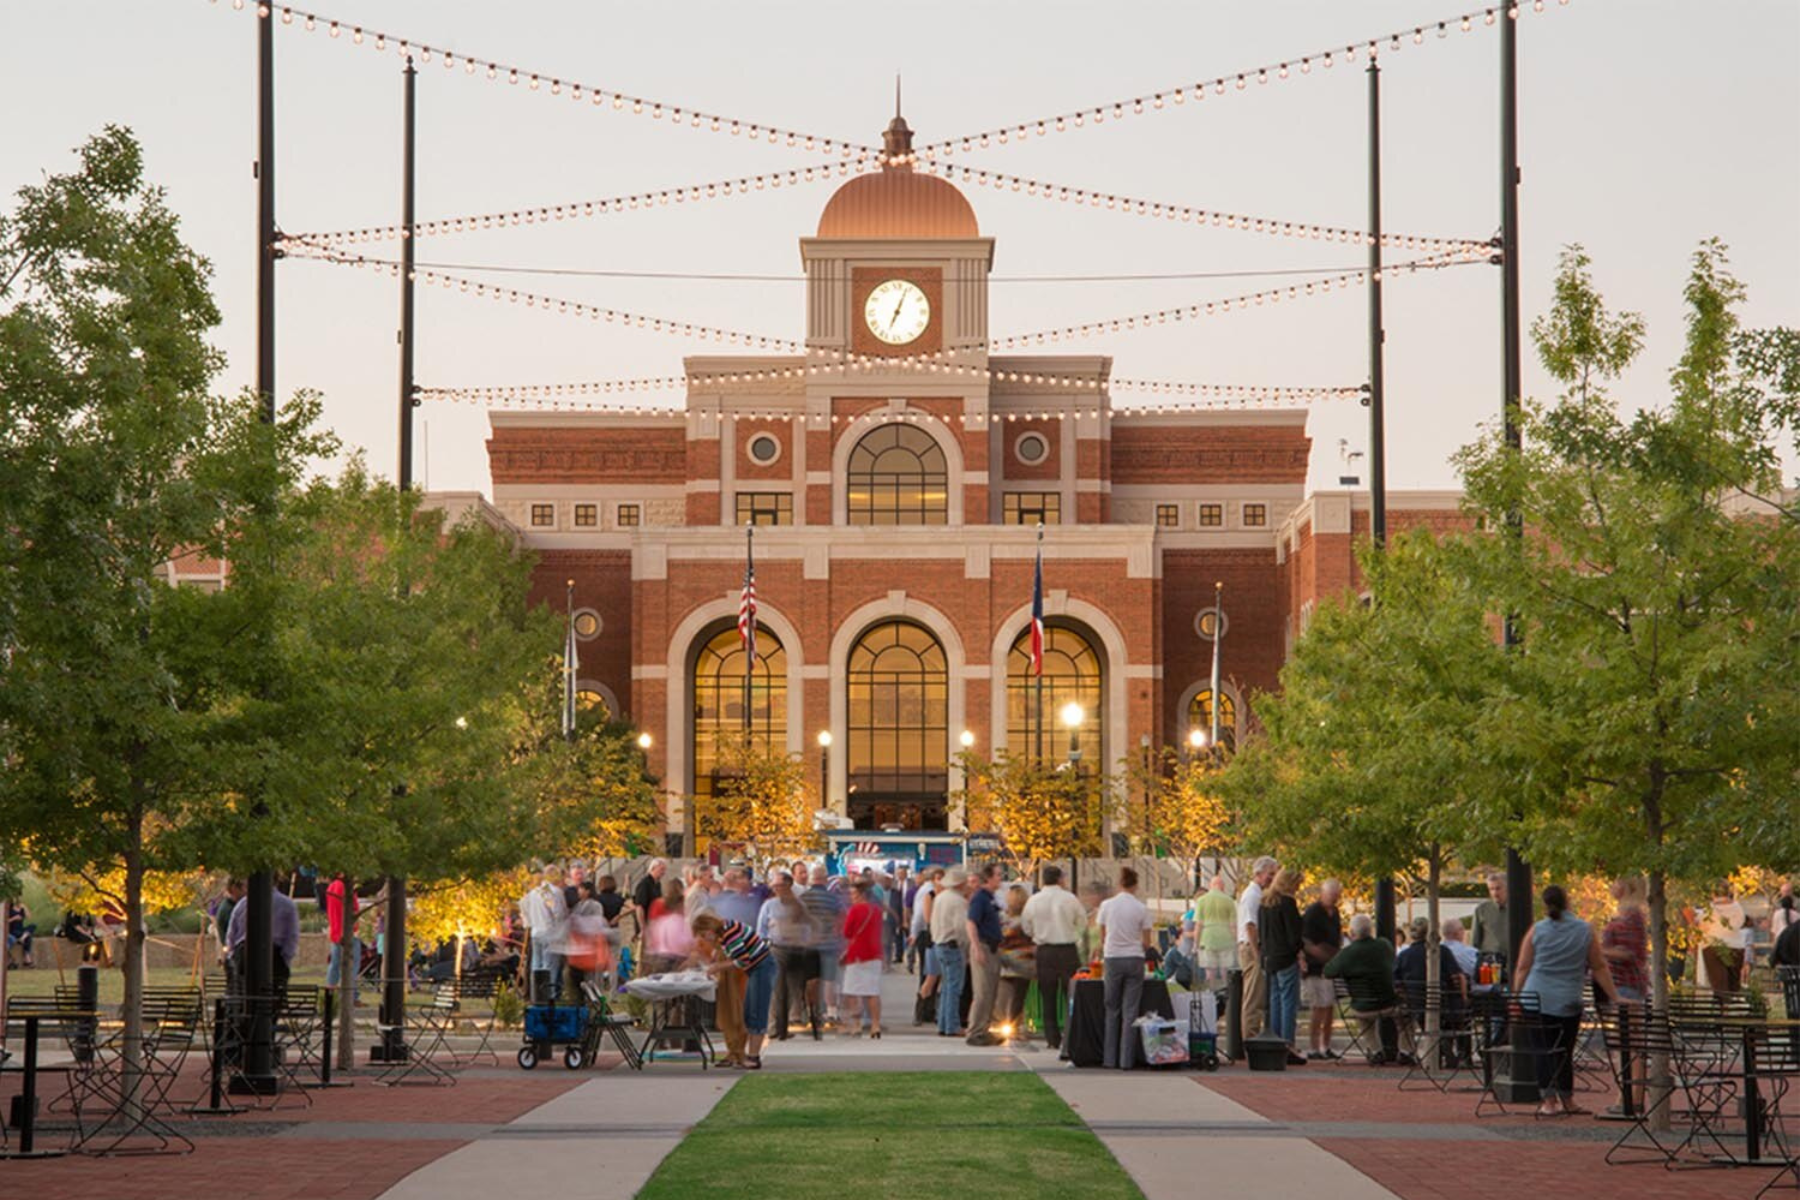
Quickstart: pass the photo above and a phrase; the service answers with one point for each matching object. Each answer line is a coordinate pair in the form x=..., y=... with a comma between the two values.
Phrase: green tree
x=1042, y=811
x=114, y=462
x=1379, y=758
x=764, y=801
x=1653, y=727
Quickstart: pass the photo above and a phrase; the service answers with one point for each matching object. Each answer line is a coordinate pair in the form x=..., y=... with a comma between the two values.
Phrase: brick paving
x=1500, y=1158
x=256, y=1155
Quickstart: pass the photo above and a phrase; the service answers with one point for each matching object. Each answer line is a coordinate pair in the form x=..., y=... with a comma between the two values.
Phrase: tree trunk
x=1434, y=978
x=132, y=970
x=1657, y=1100
x=349, y=969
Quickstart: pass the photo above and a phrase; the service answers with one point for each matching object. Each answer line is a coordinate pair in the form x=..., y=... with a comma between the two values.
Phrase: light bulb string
x=1018, y=184
x=483, y=397
x=1361, y=50
x=755, y=379
x=940, y=361
x=597, y=95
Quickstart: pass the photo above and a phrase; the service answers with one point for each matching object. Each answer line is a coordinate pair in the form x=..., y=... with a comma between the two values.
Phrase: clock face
x=897, y=312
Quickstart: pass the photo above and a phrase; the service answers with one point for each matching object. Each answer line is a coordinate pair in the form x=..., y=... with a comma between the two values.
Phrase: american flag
x=747, y=614
x=1037, y=612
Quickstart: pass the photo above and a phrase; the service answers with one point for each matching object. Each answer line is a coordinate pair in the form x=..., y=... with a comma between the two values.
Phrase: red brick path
x=257, y=1167
x=1479, y=1168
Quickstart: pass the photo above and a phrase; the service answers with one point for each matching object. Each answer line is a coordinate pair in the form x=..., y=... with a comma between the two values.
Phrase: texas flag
x=1037, y=615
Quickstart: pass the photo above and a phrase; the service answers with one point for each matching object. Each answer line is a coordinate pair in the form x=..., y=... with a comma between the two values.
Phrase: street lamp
x=824, y=768
x=1072, y=716
x=967, y=739
x=1196, y=740
x=645, y=741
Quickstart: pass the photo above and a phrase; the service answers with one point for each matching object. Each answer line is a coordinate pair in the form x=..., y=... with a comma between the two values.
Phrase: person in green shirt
x=1366, y=965
x=1215, y=915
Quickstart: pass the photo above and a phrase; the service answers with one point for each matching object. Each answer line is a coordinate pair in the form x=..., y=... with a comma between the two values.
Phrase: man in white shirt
x=1125, y=930
x=544, y=910
x=1256, y=987
x=1054, y=919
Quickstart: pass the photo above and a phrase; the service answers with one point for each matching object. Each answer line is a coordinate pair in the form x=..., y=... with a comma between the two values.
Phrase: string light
x=1220, y=393
x=1035, y=188
x=692, y=193
x=598, y=97
x=935, y=362
x=1178, y=96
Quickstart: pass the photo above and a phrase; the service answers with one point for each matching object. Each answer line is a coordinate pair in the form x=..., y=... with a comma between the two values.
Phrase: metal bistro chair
x=1635, y=1039
x=1436, y=1059
x=430, y=1025
x=1522, y=1045
x=477, y=988
x=1362, y=1014
x=118, y=1111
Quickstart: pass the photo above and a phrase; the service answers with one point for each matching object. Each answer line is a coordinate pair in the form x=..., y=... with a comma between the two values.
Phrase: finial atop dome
x=896, y=142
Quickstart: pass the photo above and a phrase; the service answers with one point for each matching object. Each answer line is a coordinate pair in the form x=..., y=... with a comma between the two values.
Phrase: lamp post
x=645, y=741
x=1072, y=716
x=1196, y=743
x=967, y=738
x=824, y=768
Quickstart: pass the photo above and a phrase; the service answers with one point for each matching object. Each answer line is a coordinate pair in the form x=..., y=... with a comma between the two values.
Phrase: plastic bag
x=1165, y=1041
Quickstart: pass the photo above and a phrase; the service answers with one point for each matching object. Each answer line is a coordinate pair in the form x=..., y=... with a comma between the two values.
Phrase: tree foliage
x=1655, y=724
x=764, y=801
x=1041, y=811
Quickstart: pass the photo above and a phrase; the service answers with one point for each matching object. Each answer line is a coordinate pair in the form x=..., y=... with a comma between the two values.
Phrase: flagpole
x=1218, y=637
x=569, y=667
x=1038, y=601
x=750, y=639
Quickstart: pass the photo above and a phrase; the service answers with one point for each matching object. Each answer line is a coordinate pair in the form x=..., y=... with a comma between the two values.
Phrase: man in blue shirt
x=984, y=955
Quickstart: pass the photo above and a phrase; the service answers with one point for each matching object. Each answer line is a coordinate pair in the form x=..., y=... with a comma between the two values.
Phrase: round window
x=764, y=449
x=1031, y=448
x=587, y=624
x=1211, y=622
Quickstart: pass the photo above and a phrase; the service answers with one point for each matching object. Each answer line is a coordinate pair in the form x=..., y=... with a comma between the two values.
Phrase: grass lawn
x=1004, y=1133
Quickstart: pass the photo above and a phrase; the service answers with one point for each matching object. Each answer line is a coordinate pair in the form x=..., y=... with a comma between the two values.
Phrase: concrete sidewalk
x=1171, y=1134
x=602, y=1140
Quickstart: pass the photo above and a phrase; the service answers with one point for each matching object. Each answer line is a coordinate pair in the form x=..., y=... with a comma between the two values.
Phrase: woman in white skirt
x=861, y=982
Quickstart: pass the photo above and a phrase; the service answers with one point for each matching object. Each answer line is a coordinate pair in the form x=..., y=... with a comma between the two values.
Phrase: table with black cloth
x=1084, y=1042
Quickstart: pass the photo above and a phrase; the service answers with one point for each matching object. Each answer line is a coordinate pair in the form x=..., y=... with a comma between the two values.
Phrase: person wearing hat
x=950, y=939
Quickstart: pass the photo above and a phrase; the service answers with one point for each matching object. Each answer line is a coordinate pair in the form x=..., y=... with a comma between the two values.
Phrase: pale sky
x=1646, y=125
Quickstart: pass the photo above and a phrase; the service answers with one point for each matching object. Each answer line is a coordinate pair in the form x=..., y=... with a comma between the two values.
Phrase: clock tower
x=899, y=269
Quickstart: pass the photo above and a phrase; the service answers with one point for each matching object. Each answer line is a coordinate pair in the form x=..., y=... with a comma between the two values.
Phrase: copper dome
x=897, y=202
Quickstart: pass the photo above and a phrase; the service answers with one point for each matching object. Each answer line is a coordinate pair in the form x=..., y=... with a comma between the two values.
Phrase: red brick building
x=896, y=474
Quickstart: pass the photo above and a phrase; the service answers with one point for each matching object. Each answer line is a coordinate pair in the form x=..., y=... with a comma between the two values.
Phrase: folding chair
x=1635, y=1038
x=297, y=1043
x=1362, y=1014
x=615, y=1026
x=481, y=988
x=1522, y=1043
x=126, y=1104
x=1427, y=1050
x=431, y=1025
x=1706, y=1064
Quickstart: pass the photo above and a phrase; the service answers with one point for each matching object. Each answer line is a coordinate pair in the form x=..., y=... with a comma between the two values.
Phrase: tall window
x=899, y=728
x=765, y=508
x=1029, y=508
x=898, y=476
x=1072, y=672
x=1200, y=716
x=719, y=696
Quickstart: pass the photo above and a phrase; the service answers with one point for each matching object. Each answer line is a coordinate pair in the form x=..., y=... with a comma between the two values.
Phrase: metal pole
x=1377, y=335
x=392, y=1048
x=258, y=1073
x=407, y=240
x=1385, y=892
x=1522, y=1084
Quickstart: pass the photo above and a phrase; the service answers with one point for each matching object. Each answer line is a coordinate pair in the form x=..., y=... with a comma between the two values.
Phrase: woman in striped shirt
x=734, y=942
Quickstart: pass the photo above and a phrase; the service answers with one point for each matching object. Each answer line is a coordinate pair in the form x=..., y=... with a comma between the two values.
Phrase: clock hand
x=900, y=304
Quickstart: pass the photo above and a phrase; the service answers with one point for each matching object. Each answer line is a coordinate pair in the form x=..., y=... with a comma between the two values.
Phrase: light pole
x=645, y=741
x=1196, y=742
x=1072, y=716
x=967, y=738
x=824, y=768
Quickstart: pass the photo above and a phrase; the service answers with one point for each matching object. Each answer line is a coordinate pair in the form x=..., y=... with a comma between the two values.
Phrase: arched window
x=1073, y=672
x=899, y=728
x=720, y=696
x=1199, y=716
x=897, y=476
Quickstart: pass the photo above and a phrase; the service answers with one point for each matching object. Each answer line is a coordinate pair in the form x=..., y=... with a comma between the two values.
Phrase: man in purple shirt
x=284, y=926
